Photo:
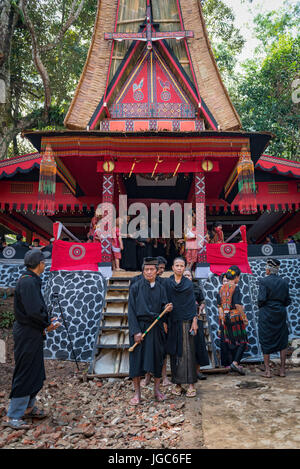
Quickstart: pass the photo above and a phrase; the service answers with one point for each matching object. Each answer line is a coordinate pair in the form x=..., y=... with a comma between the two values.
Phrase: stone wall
x=81, y=296
x=290, y=270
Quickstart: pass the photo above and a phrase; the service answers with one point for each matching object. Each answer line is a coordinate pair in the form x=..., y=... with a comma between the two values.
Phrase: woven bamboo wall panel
x=210, y=84
x=92, y=82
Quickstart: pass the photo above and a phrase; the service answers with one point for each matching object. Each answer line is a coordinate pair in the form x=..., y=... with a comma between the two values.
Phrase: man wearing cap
x=273, y=298
x=31, y=321
x=147, y=299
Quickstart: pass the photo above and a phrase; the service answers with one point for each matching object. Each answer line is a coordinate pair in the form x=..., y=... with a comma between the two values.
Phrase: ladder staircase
x=111, y=355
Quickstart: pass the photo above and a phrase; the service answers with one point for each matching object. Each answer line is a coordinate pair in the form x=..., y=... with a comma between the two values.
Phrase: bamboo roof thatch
x=131, y=15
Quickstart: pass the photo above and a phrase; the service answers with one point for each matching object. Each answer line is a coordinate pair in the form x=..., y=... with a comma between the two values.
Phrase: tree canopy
x=44, y=44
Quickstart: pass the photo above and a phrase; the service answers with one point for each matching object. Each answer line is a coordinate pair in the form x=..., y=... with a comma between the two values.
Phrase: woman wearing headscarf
x=182, y=328
x=232, y=322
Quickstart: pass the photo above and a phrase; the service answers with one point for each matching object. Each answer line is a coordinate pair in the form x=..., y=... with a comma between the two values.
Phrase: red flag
x=222, y=256
x=75, y=256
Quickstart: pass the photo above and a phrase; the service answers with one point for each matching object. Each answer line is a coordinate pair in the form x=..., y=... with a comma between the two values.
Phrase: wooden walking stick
x=149, y=328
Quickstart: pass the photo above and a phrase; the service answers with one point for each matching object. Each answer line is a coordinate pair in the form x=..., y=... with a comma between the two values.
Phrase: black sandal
x=237, y=369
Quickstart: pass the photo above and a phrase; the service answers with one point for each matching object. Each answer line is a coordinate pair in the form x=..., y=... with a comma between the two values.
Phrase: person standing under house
x=191, y=246
x=182, y=328
x=129, y=251
x=147, y=300
x=117, y=247
x=202, y=358
x=232, y=322
x=217, y=234
x=273, y=298
x=32, y=319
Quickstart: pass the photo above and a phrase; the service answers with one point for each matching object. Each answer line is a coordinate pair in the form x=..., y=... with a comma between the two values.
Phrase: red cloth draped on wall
x=75, y=256
x=222, y=256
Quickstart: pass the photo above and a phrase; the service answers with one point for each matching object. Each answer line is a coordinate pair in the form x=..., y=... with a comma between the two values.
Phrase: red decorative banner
x=75, y=256
x=222, y=256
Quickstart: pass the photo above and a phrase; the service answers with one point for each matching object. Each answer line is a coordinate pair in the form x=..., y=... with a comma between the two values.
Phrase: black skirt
x=183, y=368
x=129, y=255
x=273, y=331
x=148, y=357
x=29, y=373
x=202, y=358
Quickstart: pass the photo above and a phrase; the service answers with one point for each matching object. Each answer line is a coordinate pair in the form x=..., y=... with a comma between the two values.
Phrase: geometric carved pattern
x=107, y=198
x=108, y=187
x=199, y=182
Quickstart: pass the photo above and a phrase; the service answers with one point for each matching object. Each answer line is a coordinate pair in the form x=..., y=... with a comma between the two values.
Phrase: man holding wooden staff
x=147, y=300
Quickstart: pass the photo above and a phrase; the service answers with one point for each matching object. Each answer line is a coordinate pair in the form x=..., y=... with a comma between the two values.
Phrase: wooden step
x=116, y=300
x=111, y=315
x=113, y=346
x=114, y=328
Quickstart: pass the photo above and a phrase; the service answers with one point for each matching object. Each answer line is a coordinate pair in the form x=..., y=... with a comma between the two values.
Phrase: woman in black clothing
x=202, y=358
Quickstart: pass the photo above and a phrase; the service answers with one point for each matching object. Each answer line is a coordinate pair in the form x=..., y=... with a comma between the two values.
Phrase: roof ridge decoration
x=151, y=92
x=176, y=19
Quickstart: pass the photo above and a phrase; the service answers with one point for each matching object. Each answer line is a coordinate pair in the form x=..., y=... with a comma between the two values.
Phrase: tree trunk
x=7, y=24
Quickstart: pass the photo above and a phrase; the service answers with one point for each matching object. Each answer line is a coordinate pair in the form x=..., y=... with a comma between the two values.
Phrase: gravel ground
x=91, y=414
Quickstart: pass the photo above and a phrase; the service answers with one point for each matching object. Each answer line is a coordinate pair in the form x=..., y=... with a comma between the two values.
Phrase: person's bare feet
x=159, y=397
x=136, y=400
x=280, y=373
x=266, y=374
x=166, y=382
x=146, y=381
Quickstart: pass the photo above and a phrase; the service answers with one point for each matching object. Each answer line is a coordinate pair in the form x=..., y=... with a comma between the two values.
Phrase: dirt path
x=251, y=411
x=229, y=411
x=191, y=433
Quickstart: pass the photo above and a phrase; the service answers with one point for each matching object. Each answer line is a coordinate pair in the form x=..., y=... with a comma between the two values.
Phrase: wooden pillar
x=200, y=202
x=107, y=197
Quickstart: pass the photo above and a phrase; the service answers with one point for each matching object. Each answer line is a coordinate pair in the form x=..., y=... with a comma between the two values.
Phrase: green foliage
x=226, y=39
x=6, y=319
x=64, y=63
x=277, y=23
x=263, y=94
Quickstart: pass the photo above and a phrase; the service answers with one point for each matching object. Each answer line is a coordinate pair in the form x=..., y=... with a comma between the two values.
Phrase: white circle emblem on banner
x=228, y=250
x=267, y=250
x=77, y=252
x=9, y=252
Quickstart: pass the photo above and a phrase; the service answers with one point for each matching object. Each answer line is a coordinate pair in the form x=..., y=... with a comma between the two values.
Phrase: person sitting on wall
x=36, y=244
x=270, y=240
x=20, y=243
x=49, y=248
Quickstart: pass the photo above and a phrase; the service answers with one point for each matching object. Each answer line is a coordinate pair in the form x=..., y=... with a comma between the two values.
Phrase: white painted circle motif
x=77, y=252
x=267, y=250
x=9, y=252
x=228, y=250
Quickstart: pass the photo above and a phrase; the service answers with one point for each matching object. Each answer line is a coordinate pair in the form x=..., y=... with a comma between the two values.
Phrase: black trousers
x=231, y=354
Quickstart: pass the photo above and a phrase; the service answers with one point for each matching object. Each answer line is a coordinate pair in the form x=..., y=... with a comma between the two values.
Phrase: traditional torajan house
x=150, y=119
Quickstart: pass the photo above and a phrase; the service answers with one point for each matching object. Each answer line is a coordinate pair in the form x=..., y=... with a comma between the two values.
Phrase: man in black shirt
x=147, y=299
x=32, y=319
